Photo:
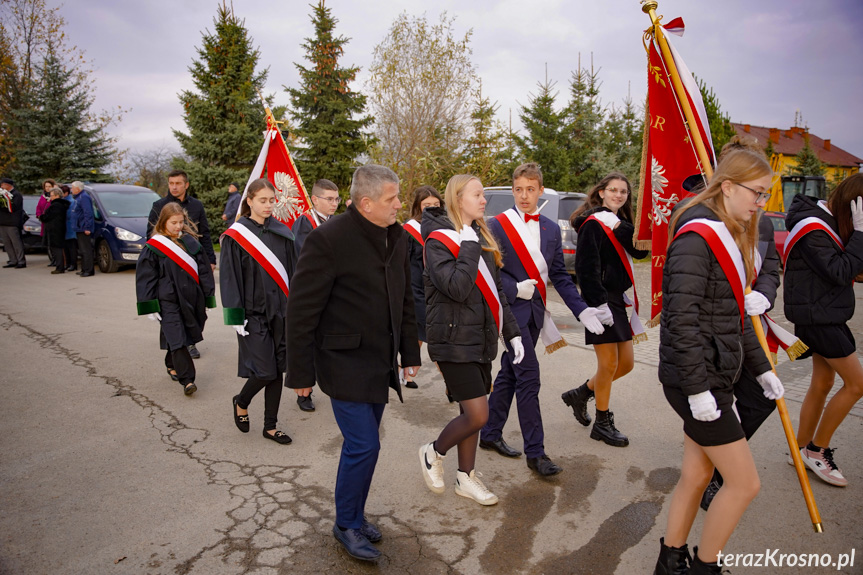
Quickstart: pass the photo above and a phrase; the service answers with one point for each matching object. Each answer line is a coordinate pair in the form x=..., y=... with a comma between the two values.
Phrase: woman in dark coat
x=424, y=197
x=174, y=285
x=54, y=227
x=703, y=347
x=255, y=299
x=462, y=288
x=819, y=300
x=604, y=276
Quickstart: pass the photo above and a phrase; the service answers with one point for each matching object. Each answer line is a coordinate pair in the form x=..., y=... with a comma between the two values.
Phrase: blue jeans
x=359, y=423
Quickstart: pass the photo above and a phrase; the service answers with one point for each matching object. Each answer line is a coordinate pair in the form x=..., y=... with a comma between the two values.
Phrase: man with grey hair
x=351, y=310
x=85, y=226
x=11, y=222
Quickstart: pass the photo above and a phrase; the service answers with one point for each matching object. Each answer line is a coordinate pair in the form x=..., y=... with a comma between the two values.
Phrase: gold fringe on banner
x=555, y=346
x=796, y=350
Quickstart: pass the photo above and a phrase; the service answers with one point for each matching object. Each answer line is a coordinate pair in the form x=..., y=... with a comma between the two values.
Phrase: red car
x=780, y=232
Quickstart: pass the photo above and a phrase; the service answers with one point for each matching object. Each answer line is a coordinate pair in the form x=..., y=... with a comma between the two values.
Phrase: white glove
x=525, y=289
x=604, y=314
x=857, y=213
x=240, y=329
x=772, y=386
x=703, y=406
x=755, y=303
x=590, y=320
x=517, y=349
x=468, y=235
x=154, y=316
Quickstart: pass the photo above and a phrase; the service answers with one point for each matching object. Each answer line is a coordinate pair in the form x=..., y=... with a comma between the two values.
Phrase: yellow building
x=838, y=164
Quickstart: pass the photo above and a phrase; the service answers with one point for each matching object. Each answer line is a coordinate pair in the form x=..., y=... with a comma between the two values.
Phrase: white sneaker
x=431, y=463
x=469, y=485
x=821, y=462
x=791, y=459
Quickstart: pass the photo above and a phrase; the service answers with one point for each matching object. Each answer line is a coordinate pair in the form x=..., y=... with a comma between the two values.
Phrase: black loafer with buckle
x=279, y=437
x=241, y=421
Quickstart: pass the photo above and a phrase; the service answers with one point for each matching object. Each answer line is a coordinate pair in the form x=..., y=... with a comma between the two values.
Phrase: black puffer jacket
x=598, y=266
x=701, y=345
x=819, y=274
x=459, y=324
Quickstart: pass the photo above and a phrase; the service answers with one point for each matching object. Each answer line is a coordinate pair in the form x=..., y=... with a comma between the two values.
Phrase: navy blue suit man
x=525, y=301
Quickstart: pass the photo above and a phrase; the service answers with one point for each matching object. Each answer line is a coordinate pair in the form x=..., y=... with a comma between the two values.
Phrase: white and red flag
x=275, y=163
x=669, y=155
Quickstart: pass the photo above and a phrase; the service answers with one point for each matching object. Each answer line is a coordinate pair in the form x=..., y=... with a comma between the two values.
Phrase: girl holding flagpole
x=603, y=265
x=257, y=260
x=705, y=340
x=424, y=197
x=466, y=314
x=174, y=285
x=824, y=254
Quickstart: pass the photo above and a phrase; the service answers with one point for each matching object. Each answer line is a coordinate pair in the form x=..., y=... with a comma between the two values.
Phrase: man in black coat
x=54, y=221
x=11, y=221
x=351, y=310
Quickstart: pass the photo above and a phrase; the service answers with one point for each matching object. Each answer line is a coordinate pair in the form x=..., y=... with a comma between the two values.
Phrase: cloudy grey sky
x=765, y=59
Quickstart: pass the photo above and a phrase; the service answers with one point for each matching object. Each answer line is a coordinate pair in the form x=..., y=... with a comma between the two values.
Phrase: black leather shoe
x=279, y=437
x=577, y=399
x=87, y=274
x=543, y=465
x=174, y=375
x=21, y=266
x=190, y=388
x=709, y=493
x=61, y=271
x=193, y=351
x=370, y=531
x=500, y=446
x=604, y=430
x=411, y=384
x=356, y=544
x=306, y=403
x=672, y=560
x=72, y=269
x=241, y=421
x=10, y=265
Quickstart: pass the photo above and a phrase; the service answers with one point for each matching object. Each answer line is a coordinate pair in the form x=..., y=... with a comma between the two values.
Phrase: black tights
x=272, y=397
x=463, y=432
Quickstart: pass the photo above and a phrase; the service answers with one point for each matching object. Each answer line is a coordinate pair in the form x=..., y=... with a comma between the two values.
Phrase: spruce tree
x=225, y=118
x=57, y=137
x=486, y=153
x=330, y=125
x=808, y=163
x=589, y=157
x=545, y=142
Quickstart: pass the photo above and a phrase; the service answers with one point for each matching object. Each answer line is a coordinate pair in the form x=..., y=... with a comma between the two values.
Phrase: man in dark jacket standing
x=54, y=225
x=233, y=204
x=85, y=225
x=351, y=310
x=11, y=211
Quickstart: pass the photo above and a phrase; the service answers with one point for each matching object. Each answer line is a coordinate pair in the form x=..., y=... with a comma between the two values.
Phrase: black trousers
x=180, y=361
x=57, y=257
x=70, y=250
x=85, y=246
x=272, y=397
x=753, y=407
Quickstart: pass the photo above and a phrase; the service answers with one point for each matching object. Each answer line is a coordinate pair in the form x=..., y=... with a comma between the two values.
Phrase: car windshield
x=30, y=203
x=127, y=204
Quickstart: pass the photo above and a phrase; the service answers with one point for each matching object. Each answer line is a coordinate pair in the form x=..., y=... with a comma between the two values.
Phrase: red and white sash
x=175, y=253
x=805, y=226
x=534, y=264
x=727, y=253
x=312, y=217
x=265, y=257
x=607, y=221
x=413, y=228
x=484, y=279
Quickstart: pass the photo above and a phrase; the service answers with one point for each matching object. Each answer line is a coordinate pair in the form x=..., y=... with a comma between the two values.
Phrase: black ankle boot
x=604, y=430
x=577, y=399
x=672, y=560
x=701, y=568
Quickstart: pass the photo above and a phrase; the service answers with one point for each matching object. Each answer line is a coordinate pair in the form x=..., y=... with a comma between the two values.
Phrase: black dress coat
x=54, y=219
x=165, y=288
x=351, y=309
x=250, y=293
x=459, y=323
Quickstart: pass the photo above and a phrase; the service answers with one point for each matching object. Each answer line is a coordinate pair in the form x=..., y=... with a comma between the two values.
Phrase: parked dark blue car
x=121, y=214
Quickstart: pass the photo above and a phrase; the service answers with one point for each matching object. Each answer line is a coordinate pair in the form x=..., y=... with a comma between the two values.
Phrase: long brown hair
x=454, y=189
x=420, y=194
x=594, y=201
x=741, y=161
x=254, y=188
x=839, y=203
x=170, y=210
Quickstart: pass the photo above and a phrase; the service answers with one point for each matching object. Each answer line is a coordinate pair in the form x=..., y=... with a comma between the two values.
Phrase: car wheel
x=107, y=264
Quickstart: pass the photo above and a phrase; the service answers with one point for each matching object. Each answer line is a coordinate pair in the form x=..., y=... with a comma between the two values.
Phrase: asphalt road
x=106, y=467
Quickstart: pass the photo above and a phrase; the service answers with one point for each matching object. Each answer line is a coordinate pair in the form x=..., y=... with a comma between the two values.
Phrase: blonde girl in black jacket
x=704, y=342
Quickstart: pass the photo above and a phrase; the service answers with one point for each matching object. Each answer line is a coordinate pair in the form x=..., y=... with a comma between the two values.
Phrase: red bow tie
x=528, y=217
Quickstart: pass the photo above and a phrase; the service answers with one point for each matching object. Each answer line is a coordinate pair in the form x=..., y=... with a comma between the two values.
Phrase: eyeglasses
x=759, y=196
x=336, y=200
x=623, y=192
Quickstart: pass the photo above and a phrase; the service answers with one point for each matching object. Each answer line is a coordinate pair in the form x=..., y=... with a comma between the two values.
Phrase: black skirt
x=832, y=341
x=722, y=431
x=620, y=331
x=466, y=380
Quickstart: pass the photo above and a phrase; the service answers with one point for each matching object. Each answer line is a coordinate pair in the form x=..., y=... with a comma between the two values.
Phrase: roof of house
x=789, y=142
